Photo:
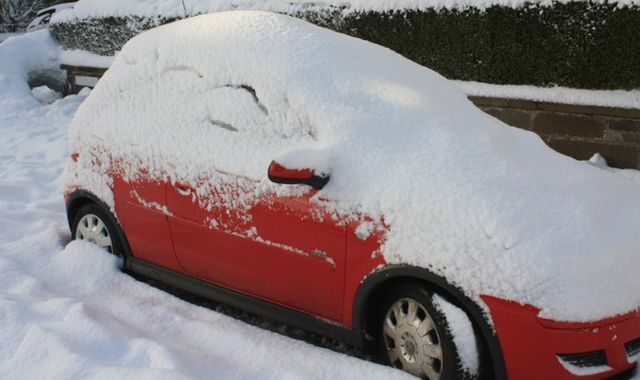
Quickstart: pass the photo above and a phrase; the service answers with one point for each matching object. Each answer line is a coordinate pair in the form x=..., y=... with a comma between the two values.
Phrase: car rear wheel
x=414, y=335
x=95, y=225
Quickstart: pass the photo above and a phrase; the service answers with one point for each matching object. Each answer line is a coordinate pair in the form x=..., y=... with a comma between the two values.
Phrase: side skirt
x=250, y=304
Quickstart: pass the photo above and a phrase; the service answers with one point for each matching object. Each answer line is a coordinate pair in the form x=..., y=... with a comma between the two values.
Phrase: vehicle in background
x=44, y=16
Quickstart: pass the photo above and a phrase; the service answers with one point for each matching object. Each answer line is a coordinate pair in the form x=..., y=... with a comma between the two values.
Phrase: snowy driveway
x=66, y=311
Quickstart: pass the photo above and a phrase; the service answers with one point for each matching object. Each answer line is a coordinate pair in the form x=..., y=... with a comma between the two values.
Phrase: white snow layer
x=180, y=8
x=461, y=331
x=85, y=59
x=45, y=95
x=18, y=60
x=68, y=312
x=487, y=206
x=598, y=161
x=564, y=95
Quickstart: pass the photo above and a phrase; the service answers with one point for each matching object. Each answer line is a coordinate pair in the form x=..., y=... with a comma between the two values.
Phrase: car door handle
x=183, y=189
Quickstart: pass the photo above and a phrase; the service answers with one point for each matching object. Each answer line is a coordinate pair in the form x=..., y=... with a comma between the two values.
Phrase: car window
x=236, y=108
x=177, y=117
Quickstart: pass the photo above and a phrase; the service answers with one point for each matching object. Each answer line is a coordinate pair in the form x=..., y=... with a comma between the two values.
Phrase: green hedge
x=576, y=44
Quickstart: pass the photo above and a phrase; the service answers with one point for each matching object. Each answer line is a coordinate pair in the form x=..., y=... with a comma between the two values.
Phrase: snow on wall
x=563, y=95
x=176, y=8
x=85, y=59
x=489, y=207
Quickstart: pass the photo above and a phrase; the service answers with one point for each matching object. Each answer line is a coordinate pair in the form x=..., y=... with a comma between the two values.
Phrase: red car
x=331, y=184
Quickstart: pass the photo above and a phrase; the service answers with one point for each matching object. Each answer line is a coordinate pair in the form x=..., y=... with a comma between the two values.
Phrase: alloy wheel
x=411, y=340
x=92, y=229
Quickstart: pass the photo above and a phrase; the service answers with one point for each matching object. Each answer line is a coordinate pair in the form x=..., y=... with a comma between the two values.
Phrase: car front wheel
x=95, y=225
x=414, y=335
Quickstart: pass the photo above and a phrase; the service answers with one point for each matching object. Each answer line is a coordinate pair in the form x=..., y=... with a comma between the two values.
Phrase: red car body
x=173, y=237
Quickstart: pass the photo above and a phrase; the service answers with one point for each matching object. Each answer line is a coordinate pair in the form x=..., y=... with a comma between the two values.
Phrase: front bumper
x=535, y=348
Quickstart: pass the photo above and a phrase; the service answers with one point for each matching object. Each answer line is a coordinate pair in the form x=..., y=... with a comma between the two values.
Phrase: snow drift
x=487, y=206
x=22, y=56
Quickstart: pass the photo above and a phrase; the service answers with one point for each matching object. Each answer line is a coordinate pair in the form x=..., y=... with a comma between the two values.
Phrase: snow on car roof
x=55, y=8
x=487, y=206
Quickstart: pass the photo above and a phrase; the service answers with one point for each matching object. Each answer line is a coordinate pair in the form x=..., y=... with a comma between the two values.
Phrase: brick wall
x=577, y=131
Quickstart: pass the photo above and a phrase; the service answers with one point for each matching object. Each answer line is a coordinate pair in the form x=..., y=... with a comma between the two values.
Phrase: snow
x=564, y=95
x=489, y=207
x=67, y=311
x=57, y=7
x=178, y=8
x=598, y=161
x=561, y=95
x=22, y=55
x=364, y=230
x=461, y=330
x=41, y=20
x=45, y=95
x=85, y=59
x=4, y=36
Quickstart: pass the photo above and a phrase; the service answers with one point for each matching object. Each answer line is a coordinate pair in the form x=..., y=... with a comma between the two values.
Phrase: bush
x=574, y=44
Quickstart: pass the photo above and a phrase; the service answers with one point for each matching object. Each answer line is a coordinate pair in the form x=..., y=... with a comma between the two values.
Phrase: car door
x=284, y=249
x=140, y=204
x=306, y=247
x=210, y=234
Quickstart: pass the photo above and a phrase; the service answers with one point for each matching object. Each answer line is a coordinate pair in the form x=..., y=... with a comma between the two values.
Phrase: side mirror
x=280, y=174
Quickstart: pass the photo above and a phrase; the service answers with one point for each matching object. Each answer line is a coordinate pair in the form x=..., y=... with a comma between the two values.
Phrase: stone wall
x=79, y=77
x=577, y=131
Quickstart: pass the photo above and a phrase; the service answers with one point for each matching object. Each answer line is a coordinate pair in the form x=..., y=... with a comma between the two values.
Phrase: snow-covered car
x=44, y=16
x=330, y=183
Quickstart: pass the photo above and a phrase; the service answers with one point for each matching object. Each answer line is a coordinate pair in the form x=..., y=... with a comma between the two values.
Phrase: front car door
x=233, y=228
x=285, y=249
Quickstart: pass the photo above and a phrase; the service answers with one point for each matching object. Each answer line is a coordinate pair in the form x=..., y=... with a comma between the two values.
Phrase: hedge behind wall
x=576, y=44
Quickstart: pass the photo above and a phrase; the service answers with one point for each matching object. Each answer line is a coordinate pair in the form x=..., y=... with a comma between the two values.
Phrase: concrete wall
x=577, y=131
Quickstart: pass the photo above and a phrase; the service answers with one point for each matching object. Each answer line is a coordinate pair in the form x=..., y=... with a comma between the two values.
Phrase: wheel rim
x=92, y=229
x=411, y=339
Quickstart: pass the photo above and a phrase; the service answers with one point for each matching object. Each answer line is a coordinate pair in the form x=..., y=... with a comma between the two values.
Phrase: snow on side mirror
x=279, y=174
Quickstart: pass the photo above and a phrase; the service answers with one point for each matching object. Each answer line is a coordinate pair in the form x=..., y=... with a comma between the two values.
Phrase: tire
x=425, y=347
x=98, y=226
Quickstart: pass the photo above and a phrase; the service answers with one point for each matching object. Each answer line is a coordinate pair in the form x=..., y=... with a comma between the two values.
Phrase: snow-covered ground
x=67, y=311
x=4, y=36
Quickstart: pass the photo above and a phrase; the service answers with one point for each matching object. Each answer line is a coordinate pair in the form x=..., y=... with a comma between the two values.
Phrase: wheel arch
x=392, y=275
x=79, y=198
